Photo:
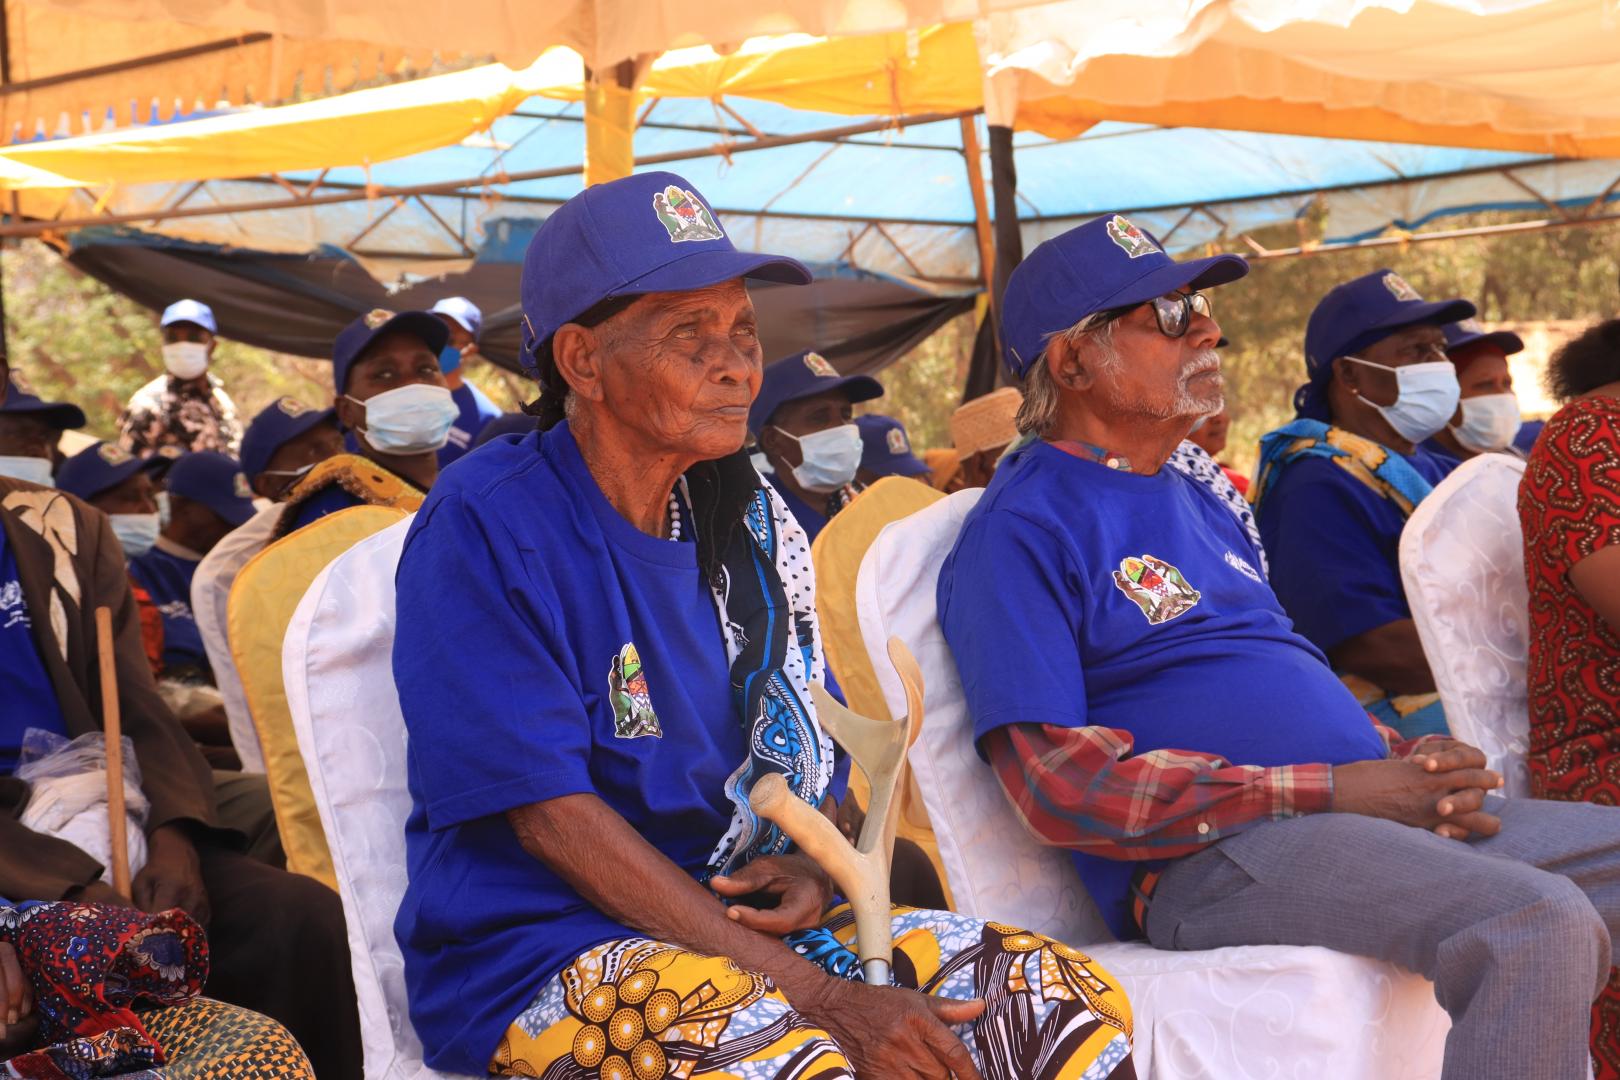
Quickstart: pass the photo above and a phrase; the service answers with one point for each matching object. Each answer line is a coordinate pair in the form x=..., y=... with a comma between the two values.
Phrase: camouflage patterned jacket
x=167, y=412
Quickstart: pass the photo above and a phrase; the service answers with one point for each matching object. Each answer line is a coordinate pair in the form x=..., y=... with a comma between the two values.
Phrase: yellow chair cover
x=837, y=555
x=263, y=599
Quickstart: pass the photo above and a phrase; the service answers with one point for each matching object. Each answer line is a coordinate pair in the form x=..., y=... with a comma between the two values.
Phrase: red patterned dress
x=1569, y=507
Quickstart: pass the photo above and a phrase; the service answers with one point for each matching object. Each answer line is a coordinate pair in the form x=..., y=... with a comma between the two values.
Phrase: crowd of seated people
x=1207, y=687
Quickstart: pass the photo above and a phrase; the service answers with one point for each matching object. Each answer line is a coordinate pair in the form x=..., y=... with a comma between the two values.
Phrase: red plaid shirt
x=1080, y=788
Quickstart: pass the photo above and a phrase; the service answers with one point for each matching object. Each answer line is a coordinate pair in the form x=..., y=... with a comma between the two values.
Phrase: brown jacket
x=69, y=562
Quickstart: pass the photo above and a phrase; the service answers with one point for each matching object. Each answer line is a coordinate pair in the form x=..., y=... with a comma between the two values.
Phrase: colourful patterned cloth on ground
x=640, y=1010
x=210, y=1040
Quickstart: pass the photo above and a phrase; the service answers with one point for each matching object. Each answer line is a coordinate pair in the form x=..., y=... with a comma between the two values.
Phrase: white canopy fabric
x=1548, y=69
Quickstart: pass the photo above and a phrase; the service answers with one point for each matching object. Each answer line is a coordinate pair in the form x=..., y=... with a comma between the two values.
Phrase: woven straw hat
x=986, y=422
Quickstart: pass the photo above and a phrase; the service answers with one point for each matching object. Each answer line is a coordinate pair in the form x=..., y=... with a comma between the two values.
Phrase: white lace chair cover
x=1227, y=1014
x=210, y=597
x=1462, y=562
x=338, y=666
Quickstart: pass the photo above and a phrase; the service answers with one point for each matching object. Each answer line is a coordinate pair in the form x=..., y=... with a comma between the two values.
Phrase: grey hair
x=1038, y=414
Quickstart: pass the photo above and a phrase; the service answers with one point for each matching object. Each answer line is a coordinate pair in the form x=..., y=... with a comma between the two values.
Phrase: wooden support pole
x=112, y=724
x=981, y=203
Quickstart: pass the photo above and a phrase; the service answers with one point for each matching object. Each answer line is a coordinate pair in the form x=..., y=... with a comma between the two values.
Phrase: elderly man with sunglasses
x=1146, y=704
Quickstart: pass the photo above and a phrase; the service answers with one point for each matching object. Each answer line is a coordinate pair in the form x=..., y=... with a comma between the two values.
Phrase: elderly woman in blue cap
x=590, y=893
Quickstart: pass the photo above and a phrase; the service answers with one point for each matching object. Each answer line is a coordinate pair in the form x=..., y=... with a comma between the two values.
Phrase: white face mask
x=1426, y=400
x=410, y=419
x=292, y=477
x=136, y=532
x=165, y=512
x=1489, y=422
x=830, y=458
x=185, y=359
x=36, y=470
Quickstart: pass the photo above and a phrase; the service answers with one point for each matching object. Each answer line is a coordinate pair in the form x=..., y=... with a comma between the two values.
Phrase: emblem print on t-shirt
x=1156, y=587
x=633, y=714
x=684, y=216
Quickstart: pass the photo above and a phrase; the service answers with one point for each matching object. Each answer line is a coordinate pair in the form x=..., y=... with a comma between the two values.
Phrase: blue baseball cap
x=1460, y=335
x=215, y=480
x=1104, y=264
x=651, y=232
x=1364, y=312
x=102, y=466
x=20, y=398
x=277, y=424
x=885, y=448
x=357, y=337
x=461, y=309
x=803, y=375
x=191, y=311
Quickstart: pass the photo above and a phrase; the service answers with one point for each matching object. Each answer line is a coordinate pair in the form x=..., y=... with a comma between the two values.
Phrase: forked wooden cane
x=860, y=871
x=114, y=725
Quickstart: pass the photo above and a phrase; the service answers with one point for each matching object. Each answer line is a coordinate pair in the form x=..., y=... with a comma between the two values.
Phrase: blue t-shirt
x=524, y=601
x=1077, y=595
x=25, y=686
x=1442, y=455
x=329, y=500
x=167, y=579
x=476, y=411
x=1334, y=546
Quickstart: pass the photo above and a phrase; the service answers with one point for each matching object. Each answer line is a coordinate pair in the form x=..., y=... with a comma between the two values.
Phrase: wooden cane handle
x=863, y=879
x=112, y=724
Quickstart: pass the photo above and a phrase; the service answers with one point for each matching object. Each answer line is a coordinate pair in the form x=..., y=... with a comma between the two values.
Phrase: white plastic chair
x=1462, y=562
x=1225, y=1014
x=210, y=597
x=338, y=665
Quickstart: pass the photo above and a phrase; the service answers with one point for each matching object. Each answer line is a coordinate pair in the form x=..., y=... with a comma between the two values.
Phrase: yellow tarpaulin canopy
x=1562, y=95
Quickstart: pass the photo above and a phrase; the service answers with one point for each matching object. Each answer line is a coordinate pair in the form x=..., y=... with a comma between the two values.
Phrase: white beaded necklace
x=674, y=517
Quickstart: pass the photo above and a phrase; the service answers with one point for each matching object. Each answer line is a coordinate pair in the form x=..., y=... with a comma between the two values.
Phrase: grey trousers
x=1513, y=930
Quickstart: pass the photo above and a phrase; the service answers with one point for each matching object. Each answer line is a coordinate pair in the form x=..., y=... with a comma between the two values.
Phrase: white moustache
x=1208, y=360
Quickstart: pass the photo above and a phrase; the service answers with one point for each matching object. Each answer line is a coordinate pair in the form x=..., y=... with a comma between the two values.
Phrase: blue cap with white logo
x=102, y=466
x=1104, y=264
x=463, y=310
x=276, y=425
x=20, y=398
x=216, y=481
x=651, y=232
x=357, y=337
x=191, y=311
x=803, y=375
x=886, y=449
x=1460, y=335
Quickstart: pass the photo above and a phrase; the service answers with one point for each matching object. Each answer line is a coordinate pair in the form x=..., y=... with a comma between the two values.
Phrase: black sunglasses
x=1174, y=312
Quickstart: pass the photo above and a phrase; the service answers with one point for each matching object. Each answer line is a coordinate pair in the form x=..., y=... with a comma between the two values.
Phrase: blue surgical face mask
x=136, y=532
x=35, y=470
x=449, y=359
x=830, y=457
x=1426, y=400
x=412, y=419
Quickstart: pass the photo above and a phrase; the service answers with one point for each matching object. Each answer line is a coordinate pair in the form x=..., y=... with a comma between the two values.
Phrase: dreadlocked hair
x=551, y=407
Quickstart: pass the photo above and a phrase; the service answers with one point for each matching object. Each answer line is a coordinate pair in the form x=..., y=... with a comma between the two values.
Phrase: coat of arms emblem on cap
x=1470, y=326
x=239, y=486
x=1398, y=288
x=897, y=441
x=113, y=454
x=1156, y=587
x=376, y=317
x=20, y=381
x=1133, y=241
x=819, y=367
x=633, y=715
x=291, y=406
x=684, y=217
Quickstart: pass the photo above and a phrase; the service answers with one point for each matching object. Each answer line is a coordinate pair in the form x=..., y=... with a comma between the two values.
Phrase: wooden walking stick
x=860, y=871
x=113, y=724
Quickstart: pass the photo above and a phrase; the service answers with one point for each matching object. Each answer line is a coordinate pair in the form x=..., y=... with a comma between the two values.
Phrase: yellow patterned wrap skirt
x=636, y=1009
